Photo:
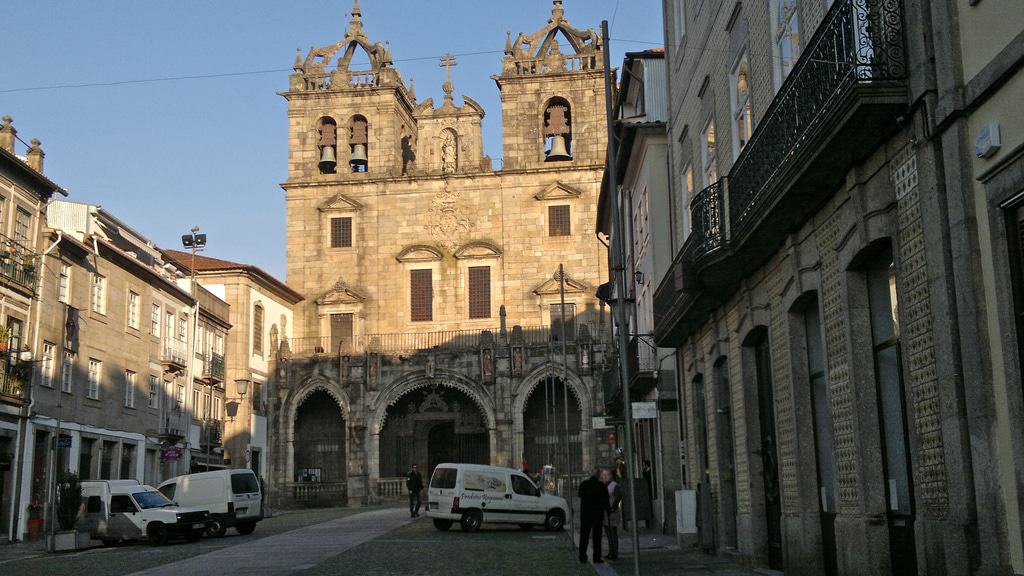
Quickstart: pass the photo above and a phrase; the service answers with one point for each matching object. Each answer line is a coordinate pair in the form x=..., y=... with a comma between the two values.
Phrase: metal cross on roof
x=447, y=61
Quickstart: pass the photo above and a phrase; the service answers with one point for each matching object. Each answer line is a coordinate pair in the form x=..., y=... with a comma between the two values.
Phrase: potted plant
x=69, y=503
x=34, y=523
x=5, y=339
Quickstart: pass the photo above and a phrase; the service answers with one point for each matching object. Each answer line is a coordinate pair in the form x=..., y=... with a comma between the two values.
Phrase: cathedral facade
x=433, y=327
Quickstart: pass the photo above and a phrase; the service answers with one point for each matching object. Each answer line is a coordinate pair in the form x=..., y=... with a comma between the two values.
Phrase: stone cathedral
x=432, y=328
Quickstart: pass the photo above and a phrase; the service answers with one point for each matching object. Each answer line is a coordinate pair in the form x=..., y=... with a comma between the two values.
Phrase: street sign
x=645, y=410
x=64, y=442
x=170, y=453
x=600, y=422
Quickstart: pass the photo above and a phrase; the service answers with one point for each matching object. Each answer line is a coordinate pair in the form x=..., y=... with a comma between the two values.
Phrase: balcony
x=17, y=264
x=838, y=105
x=212, y=433
x=174, y=355
x=213, y=368
x=643, y=365
x=11, y=387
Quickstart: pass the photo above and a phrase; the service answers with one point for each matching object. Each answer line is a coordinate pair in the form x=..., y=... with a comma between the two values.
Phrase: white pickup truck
x=117, y=510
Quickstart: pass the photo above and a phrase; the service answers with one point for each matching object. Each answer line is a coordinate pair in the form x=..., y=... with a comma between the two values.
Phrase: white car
x=117, y=510
x=473, y=494
x=233, y=497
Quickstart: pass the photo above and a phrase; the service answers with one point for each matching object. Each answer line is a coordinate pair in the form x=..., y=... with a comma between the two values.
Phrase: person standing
x=613, y=520
x=414, y=482
x=593, y=506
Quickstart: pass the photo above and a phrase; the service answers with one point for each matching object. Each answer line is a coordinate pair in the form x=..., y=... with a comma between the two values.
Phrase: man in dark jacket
x=593, y=506
x=414, y=482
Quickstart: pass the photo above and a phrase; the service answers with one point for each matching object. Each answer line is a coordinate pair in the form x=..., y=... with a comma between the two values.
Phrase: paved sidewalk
x=659, y=554
x=20, y=550
x=289, y=552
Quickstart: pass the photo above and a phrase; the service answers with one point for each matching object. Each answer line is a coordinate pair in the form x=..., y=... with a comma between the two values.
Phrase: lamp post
x=196, y=242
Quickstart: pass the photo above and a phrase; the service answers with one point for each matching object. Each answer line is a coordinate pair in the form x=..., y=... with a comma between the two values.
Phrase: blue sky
x=164, y=156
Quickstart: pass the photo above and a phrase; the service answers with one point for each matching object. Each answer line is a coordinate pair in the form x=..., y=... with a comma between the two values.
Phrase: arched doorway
x=544, y=428
x=320, y=440
x=428, y=426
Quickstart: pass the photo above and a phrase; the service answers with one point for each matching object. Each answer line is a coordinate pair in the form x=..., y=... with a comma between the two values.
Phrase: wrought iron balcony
x=707, y=225
x=17, y=263
x=174, y=355
x=11, y=385
x=213, y=367
x=643, y=361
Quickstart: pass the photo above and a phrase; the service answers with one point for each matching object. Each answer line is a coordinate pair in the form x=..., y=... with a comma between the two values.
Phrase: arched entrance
x=319, y=443
x=544, y=431
x=431, y=425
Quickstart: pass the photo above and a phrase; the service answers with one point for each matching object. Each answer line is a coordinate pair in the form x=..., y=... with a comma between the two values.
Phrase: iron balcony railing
x=174, y=352
x=859, y=43
x=11, y=385
x=213, y=366
x=643, y=358
x=17, y=263
x=707, y=226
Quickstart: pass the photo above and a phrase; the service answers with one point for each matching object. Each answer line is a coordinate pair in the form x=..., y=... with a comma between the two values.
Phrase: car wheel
x=193, y=535
x=443, y=525
x=471, y=521
x=216, y=529
x=554, y=521
x=157, y=534
x=246, y=528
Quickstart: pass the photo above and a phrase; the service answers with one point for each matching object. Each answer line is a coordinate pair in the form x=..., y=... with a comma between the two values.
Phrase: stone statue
x=449, y=153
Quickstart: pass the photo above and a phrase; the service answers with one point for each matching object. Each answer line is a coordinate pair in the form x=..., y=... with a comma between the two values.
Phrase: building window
x=257, y=330
x=421, y=295
x=95, y=372
x=328, y=146
x=179, y=398
x=559, y=221
x=742, y=112
x=169, y=325
x=217, y=410
x=64, y=283
x=688, y=193
x=557, y=131
x=99, y=294
x=679, y=17
x=23, y=227
x=206, y=406
x=342, y=331
x=197, y=397
x=66, y=372
x=358, y=143
x=183, y=328
x=821, y=407
x=709, y=154
x=218, y=343
x=129, y=389
x=46, y=366
x=556, y=322
x=133, y=310
x=154, y=320
x=787, y=37
x=341, y=232
x=154, y=391
x=479, y=291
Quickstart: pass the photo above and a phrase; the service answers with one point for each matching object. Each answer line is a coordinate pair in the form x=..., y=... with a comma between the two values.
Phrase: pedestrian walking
x=593, y=507
x=414, y=482
x=613, y=520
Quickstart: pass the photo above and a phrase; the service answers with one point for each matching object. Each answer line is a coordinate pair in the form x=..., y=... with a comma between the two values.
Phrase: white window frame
x=133, y=309
x=742, y=108
x=179, y=398
x=155, y=389
x=183, y=327
x=92, y=391
x=217, y=408
x=129, y=389
x=154, y=319
x=99, y=293
x=64, y=283
x=688, y=192
x=46, y=366
x=67, y=372
x=785, y=16
x=709, y=153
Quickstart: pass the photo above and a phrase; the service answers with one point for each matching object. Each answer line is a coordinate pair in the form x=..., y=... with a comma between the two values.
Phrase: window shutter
x=559, y=221
x=341, y=232
x=480, y=292
x=421, y=292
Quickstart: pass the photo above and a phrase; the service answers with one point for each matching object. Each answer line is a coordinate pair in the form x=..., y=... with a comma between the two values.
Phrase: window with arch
x=449, y=151
x=557, y=130
x=358, y=143
x=257, y=329
x=742, y=111
x=328, y=145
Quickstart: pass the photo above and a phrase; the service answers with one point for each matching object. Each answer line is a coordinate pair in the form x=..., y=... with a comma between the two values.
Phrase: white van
x=474, y=494
x=117, y=510
x=233, y=497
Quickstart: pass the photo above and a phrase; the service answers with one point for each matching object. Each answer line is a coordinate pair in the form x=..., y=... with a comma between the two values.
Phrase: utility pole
x=619, y=271
x=565, y=396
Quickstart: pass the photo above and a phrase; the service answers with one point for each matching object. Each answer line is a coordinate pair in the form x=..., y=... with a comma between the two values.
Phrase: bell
x=327, y=159
x=558, y=151
x=358, y=155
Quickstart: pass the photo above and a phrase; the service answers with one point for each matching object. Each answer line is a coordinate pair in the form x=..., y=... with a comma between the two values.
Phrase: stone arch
x=305, y=389
x=522, y=391
x=391, y=393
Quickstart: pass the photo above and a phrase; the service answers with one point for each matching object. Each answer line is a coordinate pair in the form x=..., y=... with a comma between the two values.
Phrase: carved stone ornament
x=448, y=222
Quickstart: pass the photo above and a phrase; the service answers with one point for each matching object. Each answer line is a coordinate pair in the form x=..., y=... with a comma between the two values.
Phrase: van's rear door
x=245, y=494
x=441, y=490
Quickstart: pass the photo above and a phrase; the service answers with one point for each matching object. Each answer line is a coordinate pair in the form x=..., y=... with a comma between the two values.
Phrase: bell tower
x=347, y=123
x=552, y=97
